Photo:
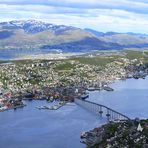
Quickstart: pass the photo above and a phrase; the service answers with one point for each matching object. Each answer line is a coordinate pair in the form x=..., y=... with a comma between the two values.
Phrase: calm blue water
x=33, y=128
x=130, y=97
x=8, y=54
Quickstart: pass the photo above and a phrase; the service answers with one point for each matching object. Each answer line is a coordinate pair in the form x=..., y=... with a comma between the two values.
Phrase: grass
x=130, y=54
x=64, y=66
x=98, y=61
x=133, y=54
x=103, y=60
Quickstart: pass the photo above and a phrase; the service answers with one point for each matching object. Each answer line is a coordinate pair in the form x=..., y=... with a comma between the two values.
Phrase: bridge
x=101, y=110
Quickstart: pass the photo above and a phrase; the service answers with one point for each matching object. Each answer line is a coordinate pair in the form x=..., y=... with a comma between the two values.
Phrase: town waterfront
x=33, y=128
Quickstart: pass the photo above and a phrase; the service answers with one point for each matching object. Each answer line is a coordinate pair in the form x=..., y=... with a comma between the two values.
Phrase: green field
x=97, y=60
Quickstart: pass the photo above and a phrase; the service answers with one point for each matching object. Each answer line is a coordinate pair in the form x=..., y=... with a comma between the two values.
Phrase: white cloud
x=121, y=16
x=139, y=6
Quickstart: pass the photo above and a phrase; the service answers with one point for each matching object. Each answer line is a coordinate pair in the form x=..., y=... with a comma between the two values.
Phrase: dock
x=54, y=107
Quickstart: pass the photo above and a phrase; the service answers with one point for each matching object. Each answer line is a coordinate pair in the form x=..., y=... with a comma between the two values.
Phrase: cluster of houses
x=7, y=101
x=122, y=134
x=20, y=76
x=59, y=79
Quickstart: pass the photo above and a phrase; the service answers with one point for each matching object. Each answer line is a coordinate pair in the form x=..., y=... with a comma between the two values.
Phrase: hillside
x=85, y=45
x=124, y=39
x=38, y=37
x=34, y=34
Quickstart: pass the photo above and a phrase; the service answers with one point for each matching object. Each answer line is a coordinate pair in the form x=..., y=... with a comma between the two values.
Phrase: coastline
x=46, y=79
x=94, y=126
x=93, y=138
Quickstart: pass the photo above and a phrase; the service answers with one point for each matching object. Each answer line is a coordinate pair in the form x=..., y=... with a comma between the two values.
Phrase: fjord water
x=9, y=54
x=33, y=128
x=129, y=97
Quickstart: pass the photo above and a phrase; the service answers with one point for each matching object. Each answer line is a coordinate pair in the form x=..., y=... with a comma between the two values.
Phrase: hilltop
x=128, y=39
x=46, y=37
x=36, y=34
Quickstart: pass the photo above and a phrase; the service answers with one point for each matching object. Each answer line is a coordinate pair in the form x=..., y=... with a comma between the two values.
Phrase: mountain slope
x=123, y=39
x=38, y=36
x=35, y=34
x=84, y=45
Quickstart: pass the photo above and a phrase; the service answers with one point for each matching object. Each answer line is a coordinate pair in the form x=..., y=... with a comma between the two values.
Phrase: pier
x=101, y=110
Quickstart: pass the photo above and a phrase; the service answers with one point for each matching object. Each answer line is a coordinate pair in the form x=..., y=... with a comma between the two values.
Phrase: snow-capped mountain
x=33, y=26
x=31, y=34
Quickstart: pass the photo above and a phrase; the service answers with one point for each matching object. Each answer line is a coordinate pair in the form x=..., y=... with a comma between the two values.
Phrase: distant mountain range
x=31, y=34
x=128, y=39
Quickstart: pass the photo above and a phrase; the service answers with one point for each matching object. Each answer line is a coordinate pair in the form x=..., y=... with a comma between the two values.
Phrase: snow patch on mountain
x=32, y=26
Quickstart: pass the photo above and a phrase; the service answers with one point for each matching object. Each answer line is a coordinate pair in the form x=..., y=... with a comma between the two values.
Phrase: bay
x=32, y=128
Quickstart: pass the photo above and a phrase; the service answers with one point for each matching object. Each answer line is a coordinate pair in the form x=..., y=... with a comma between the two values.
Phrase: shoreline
x=67, y=92
x=14, y=107
x=124, y=133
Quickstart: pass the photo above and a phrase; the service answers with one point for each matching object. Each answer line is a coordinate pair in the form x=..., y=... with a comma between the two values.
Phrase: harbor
x=56, y=106
x=50, y=124
x=38, y=99
x=63, y=80
x=73, y=74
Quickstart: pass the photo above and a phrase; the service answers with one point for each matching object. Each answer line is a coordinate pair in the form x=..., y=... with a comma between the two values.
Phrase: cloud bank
x=105, y=15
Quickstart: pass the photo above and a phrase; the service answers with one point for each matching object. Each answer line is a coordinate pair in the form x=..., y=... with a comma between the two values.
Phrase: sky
x=101, y=15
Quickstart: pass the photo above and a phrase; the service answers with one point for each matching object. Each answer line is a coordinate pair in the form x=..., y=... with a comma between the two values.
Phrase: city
x=73, y=74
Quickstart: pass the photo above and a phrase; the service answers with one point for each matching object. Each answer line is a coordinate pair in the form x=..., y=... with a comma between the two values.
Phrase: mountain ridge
x=32, y=34
x=123, y=39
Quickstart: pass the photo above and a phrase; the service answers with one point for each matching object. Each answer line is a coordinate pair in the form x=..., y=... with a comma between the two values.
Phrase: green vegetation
x=98, y=61
x=110, y=129
x=134, y=54
x=121, y=134
x=130, y=54
x=105, y=59
x=65, y=66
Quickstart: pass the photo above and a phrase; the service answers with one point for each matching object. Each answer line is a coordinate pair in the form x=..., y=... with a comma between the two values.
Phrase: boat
x=56, y=107
x=107, y=88
x=98, y=88
x=51, y=99
x=83, y=97
x=46, y=107
x=91, y=89
x=43, y=107
x=28, y=96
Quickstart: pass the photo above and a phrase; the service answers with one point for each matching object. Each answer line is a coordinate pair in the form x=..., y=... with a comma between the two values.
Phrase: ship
x=107, y=88
x=83, y=97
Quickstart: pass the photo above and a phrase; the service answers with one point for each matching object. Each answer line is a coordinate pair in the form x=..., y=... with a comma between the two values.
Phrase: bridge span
x=101, y=110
